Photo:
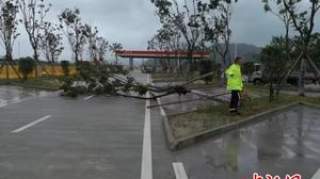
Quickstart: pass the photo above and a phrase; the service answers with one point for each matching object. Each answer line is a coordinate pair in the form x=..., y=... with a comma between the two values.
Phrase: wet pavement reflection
x=13, y=94
x=285, y=143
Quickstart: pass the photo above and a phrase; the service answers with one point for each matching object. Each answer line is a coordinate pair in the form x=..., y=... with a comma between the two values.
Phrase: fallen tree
x=105, y=79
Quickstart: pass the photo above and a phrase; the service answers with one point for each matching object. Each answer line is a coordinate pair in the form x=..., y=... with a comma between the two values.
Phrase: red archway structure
x=157, y=54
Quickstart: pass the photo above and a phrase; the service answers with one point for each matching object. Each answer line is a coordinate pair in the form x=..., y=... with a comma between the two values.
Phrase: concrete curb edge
x=176, y=144
x=172, y=142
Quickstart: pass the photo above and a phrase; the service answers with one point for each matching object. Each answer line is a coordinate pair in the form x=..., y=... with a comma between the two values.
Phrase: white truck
x=259, y=76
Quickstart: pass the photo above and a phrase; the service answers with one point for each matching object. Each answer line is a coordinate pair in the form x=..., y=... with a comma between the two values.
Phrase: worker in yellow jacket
x=235, y=84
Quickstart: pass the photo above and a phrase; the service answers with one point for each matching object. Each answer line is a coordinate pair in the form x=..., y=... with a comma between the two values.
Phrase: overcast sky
x=133, y=22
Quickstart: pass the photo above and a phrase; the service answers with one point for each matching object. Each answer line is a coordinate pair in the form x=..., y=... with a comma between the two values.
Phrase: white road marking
x=17, y=100
x=317, y=175
x=146, y=166
x=162, y=111
x=179, y=171
x=88, y=98
x=31, y=124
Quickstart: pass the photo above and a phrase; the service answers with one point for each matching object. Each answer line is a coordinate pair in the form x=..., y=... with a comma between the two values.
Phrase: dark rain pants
x=235, y=101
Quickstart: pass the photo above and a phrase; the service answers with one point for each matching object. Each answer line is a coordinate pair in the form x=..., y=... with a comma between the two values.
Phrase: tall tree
x=75, y=31
x=273, y=57
x=185, y=16
x=288, y=46
x=102, y=48
x=34, y=13
x=216, y=19
x=92, y=40
x=8, y=30
x=303, y=21
x=167, y=38
x=51, y=42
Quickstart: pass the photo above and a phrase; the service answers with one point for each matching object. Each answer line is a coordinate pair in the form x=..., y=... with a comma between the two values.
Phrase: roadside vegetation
x=214, y=116
x=26, y=66
x=41, y=83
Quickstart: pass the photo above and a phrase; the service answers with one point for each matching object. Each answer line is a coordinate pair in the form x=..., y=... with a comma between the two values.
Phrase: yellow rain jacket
x=234, y=77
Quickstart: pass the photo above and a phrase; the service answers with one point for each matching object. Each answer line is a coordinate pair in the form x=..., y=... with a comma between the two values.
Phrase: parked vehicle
x=261, y=76
x=257, y=76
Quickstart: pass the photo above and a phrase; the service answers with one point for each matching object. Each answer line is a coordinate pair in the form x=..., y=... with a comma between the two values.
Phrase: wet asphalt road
x=286, y=143
x=82, y=139
x=102, y=138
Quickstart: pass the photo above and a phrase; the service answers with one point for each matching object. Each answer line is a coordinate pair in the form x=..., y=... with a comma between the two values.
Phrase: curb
x=37, y=88
x=171, y=141
x=177, y=144
x=31, y=87
x=310, y=105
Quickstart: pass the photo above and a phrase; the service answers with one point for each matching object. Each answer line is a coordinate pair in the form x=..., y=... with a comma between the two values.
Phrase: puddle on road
x=286, y=143
x=13, y=95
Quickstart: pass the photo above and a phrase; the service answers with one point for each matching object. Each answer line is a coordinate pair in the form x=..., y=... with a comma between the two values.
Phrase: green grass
x=43, y=83
x=211, y=117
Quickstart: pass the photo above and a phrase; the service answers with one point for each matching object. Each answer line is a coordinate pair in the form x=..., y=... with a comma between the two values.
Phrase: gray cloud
x=133, y=22
x=251, y=24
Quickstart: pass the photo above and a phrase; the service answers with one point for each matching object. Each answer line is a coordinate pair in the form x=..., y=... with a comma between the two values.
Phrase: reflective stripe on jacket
x=234, y=77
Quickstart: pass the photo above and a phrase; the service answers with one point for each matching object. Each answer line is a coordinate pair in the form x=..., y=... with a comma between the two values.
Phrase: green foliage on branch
x=273, y=57
x=105, y=79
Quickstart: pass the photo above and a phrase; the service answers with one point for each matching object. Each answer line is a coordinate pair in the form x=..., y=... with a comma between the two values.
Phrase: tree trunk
x=117, y=60
x=7, y=70
x=278, y=88
x=191, y=62
x=36, y=59
x=76, y=56
x=9, y=60
x=53, y=64
x=53, y=71
x=301, y=78
x=271, y=92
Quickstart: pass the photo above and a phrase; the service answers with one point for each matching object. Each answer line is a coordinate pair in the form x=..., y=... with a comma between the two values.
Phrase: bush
x=26, y=66
x=65, y=67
